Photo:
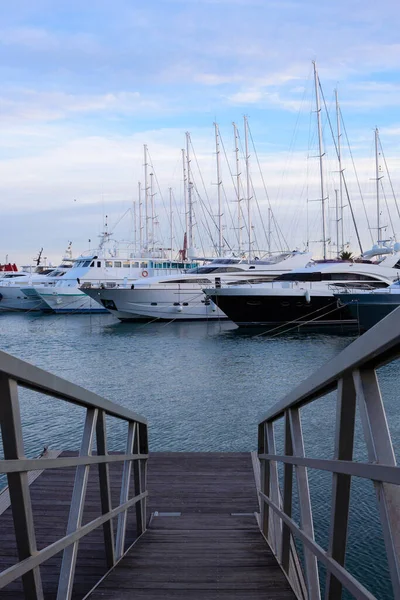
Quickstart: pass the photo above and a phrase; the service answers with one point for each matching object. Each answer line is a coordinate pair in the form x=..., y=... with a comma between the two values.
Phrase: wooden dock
x=212, y=549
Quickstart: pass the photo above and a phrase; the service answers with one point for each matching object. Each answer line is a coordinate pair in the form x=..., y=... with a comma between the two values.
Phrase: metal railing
x=353, y=374
x=15, y=372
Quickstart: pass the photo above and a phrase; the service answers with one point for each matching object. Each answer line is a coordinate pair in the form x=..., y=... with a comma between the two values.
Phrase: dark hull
x=320, y=314
x=369, y=309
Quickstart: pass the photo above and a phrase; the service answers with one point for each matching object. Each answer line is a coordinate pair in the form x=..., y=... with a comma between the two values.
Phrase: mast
x=152, y=209
x=321, y=154
x=238, y=188
x=246, y=142
x=339, y=154
x=140, y=217
x=190, y=189
x=219, y=182
x=269, y=229
x=378, y=217
x=185, y=200
x=134, y=224
x=146, y=198
x=337, y=222
x=170, y=222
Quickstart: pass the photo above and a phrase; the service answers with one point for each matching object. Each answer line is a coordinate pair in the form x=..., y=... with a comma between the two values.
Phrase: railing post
x=67, y=572
x=287, y=495
x=311, y=567
x=105, y=492
x=11, y=431
x=380, y=450
x=126, y=479
x=341, y=483
x=139, y=474
x=264, y=480
x=274, y=491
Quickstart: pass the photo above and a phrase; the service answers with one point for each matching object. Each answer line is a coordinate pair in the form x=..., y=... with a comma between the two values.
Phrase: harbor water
x=202, y=387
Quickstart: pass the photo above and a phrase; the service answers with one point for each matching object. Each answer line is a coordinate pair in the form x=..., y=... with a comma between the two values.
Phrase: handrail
x=15, y=372
x=353, y=374
x=39, y=380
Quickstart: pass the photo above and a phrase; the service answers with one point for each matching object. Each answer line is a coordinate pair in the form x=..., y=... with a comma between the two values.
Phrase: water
x=202, y=387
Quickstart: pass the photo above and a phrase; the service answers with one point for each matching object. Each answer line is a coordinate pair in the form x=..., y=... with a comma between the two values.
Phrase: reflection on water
x=202, y=387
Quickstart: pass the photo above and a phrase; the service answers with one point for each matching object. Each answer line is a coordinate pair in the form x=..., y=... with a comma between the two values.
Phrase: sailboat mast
x=339, y=153
x=378, y=218
x=140, y=217
x=170, y=222
x=337, y=222
x=321, y=154
x=219, y=182
x=190, y=186
x=238, y=188
x=269, y=229
x=146, y=198
x=134, y=224
x=246, y=143
x=152, y=209
x=185, y=199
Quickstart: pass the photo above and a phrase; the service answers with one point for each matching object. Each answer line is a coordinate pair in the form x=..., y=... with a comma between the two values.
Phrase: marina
x=199, y=301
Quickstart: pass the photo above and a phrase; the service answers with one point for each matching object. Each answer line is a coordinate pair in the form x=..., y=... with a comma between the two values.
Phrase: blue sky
x=85, y=85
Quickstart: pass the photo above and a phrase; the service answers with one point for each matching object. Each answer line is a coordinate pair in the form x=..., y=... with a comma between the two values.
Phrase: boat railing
x=353, y=375
x=15, y=373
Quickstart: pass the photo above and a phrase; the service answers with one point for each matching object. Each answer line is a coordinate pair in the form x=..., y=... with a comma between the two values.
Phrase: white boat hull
x=171, y=305
x=14, y=298
x=74, y=301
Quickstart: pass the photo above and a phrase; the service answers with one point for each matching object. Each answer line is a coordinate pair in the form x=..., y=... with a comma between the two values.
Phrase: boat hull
x=14, y=298
x=164, y=305
x=74, y=302
x=369, y=309
x=319, y=312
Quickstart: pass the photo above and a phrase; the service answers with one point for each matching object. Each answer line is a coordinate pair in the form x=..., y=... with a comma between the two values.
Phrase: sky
x=84, y=85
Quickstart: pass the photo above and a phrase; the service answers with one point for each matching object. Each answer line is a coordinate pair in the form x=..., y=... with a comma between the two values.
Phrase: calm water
x=203, y=387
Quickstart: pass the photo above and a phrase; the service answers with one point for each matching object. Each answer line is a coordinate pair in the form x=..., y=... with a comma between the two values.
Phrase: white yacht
x=107, y=270
x=181, y=297
x=16, y=286
x=304, y=298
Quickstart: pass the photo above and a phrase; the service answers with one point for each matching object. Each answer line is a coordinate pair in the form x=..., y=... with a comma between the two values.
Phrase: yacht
x=16, y=286
x=370, y=306
x=181, y=297
x=303, y=298
x=100, y=269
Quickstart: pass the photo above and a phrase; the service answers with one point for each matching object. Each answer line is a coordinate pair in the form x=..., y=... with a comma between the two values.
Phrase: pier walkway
x=93, y=524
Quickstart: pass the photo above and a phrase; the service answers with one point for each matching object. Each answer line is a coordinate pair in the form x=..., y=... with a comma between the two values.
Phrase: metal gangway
x=223, y=523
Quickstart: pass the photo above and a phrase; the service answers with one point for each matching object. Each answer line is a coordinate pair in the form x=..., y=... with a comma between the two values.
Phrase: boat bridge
x=89, y=523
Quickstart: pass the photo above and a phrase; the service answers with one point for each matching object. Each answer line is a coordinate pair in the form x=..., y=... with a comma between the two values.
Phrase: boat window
x=143, y=265
x=126, y=264
x=347, y=277
x=86, y=263
x=109, y=264
x=313, y=276
x=98, y=263
x=199, y=281
x=135, y=265
x=117, y=263
x=397, y=265
x=92, y=263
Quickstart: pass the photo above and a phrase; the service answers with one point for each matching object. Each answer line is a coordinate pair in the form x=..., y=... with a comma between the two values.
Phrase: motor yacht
x=181, y=297
x=304, y=298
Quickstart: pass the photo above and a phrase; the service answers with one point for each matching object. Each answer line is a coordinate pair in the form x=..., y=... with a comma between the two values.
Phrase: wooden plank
x=5, y=501
x=206, y=540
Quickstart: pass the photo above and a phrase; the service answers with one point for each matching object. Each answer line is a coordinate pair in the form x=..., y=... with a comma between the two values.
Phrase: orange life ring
x=144, y=273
